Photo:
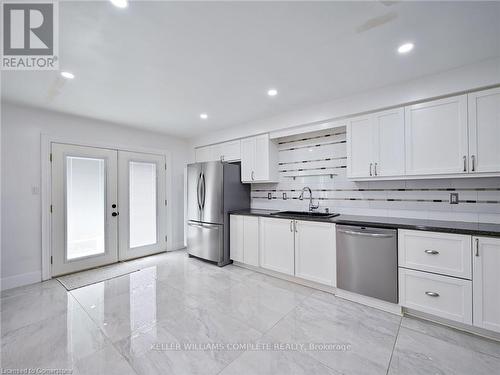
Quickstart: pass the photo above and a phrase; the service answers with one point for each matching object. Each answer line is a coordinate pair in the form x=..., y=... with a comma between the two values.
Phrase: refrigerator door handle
x=203, y=191
x=198, y=192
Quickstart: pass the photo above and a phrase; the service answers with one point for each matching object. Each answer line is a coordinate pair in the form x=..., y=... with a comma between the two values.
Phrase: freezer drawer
x=205, y=241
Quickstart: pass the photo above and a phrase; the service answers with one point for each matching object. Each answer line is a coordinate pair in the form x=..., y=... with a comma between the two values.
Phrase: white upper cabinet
x=486, y=283
x=484, y=131
x=259, y=159
x=375, y=145
x=436, y=137
x=227, y=151
x=203, y=154
x=360, y=147
x=389, y=138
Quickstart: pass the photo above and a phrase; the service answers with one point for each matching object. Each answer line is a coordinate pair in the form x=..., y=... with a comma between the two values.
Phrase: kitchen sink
x=305, y=214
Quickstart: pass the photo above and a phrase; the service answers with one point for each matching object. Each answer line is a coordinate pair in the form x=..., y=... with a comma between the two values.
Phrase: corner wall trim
x=21, y=280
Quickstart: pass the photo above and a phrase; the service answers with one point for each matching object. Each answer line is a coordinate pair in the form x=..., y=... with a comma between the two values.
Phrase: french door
x=107, y=205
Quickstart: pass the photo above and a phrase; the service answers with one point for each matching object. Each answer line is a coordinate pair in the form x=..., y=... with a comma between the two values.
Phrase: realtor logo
x=29, y=39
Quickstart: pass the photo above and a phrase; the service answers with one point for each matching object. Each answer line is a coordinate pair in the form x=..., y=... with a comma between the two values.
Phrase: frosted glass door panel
x=84, y=218
x=142, y=204
x=142, y=201
x=85, y=207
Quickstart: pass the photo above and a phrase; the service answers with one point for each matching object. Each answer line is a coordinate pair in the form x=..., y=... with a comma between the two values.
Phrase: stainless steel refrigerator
x=213, y=190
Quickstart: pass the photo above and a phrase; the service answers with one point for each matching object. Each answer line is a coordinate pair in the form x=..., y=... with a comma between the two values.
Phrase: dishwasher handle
x=365, y=234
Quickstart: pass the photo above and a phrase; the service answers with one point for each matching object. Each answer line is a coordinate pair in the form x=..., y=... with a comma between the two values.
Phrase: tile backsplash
x=318, y=160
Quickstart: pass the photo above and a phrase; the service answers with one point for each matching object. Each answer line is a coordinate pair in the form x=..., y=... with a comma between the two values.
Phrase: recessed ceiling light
x=405, y=48
x=203, y=116
x=68, y=75
x=272, y=92
x=120, y=3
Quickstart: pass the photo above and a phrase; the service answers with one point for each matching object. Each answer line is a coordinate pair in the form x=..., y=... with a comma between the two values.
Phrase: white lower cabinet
x=444, y=296
x=315, y=255
x=304, y=249
x=276, y=245
x=236, y=238
x=486, y=282
x=244, y=239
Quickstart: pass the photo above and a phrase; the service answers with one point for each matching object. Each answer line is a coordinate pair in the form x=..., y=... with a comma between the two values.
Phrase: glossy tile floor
x=179, y=315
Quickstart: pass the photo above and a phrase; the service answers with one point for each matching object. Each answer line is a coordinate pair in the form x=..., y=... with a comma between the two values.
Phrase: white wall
x=465, y=78
x=21, y=129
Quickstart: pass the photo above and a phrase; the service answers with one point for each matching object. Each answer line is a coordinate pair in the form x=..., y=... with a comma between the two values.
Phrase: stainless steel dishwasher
x=367, y=261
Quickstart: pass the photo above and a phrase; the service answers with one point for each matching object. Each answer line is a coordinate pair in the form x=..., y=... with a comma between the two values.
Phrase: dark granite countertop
x=461, y=227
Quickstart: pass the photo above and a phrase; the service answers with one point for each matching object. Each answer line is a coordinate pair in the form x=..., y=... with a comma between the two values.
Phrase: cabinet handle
x=473, y=157
x=432, y=252
x=371, y=164
x=477, y=246
x=375, y=168
x=432, y=294
x=465, y=163
x=295, y=226
x=291, y=225
x=253, y=173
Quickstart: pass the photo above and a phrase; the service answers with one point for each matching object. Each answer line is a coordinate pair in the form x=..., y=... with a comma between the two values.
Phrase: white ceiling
x=158, y=65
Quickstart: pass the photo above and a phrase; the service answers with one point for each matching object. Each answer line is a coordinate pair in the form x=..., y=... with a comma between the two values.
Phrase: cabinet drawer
x=443, y=296
x=443, y=253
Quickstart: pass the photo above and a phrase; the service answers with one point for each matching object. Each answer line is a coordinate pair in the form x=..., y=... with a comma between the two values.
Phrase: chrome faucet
x=311, y=205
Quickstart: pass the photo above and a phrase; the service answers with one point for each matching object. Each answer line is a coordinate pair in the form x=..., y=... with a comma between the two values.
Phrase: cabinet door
x=203, y=154
x=236, y=238
x=389, y=149
x=436, y=137
x=277, y=245
x=315, y=252
x=484, y=131
x=247, y=159
x=360, y=147
x=231, y=151
x=251, y=240
x=486, y=283
x=261, y=167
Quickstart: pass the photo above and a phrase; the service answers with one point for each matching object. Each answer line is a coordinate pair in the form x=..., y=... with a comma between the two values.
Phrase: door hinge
x=50, y=157
x=51, y=260
x=50, y=208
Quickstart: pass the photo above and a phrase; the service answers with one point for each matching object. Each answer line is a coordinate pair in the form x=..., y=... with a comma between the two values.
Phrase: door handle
x=375, y=168
x=473, y=159
x=203, y=225
x=291, y=225
x=477, y=246
x=432, y=294
x=354, y=233
x=115, y=214
x=253, y=175
x=371, y=164
x=203, y=191
x=465, y=163
x=295, y=226
x=432, y=252
x=198, y=191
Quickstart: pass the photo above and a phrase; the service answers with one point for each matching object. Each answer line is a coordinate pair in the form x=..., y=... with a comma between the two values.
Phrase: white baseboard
x=293, y=279
x=21, y=280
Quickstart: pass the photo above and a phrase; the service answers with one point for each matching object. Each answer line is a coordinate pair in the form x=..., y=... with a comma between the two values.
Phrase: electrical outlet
x=284, y=197
x=269, y=196
x=453, y=198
